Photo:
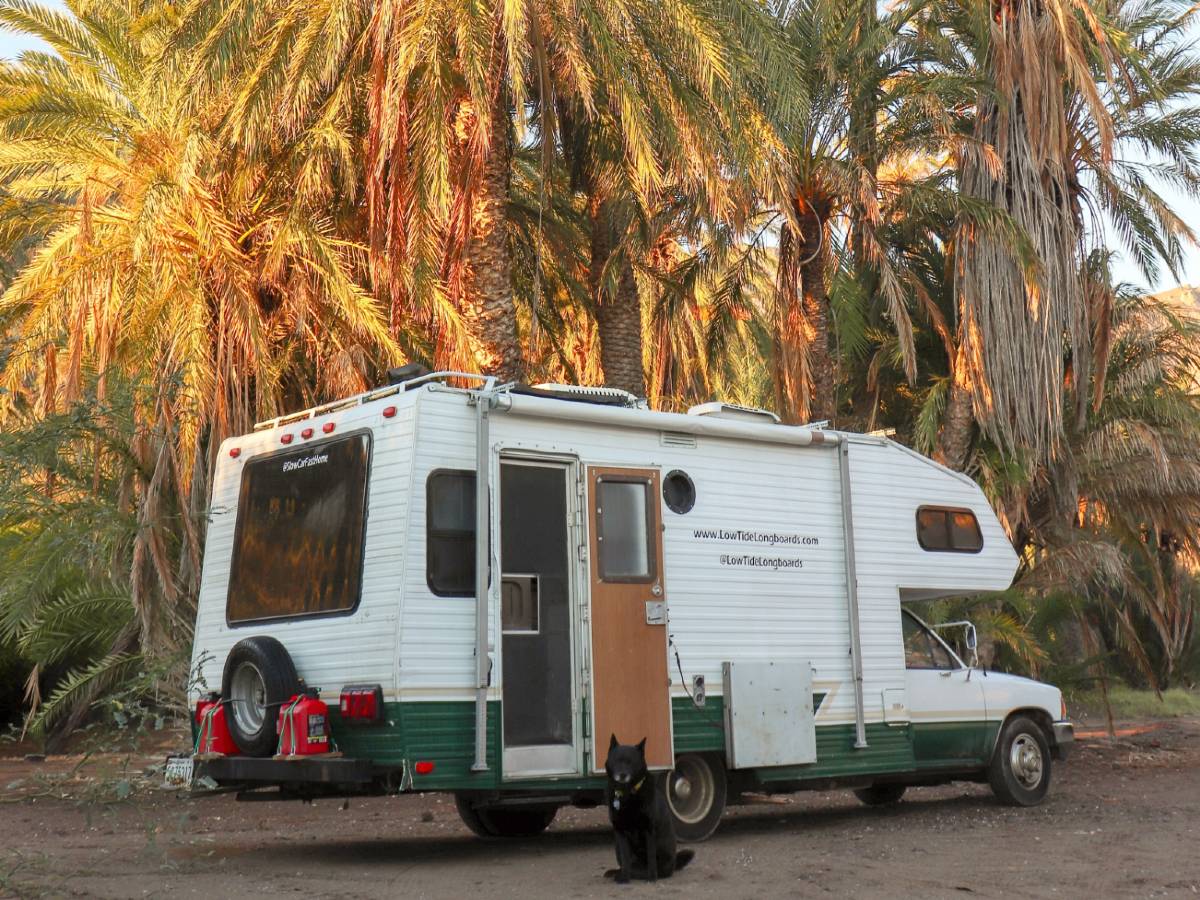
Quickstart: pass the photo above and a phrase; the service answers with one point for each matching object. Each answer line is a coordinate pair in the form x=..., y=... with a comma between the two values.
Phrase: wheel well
x=1039, y=716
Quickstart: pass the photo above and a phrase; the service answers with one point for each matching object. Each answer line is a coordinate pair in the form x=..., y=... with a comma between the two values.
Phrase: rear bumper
x=255, y=772
x=1064, y=738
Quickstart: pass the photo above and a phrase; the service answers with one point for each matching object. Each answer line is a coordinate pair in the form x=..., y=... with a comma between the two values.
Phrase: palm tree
x=823, y=183
x=450, y=91
x=1078, y=105
x=155, y=254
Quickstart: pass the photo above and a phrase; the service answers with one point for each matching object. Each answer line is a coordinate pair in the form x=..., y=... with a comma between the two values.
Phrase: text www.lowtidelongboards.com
x=773, y=538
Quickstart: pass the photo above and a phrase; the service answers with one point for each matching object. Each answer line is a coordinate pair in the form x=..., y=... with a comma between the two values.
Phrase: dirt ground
x=1122, y=820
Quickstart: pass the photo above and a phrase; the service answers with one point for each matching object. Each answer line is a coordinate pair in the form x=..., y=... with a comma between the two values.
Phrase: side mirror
x=972, y=638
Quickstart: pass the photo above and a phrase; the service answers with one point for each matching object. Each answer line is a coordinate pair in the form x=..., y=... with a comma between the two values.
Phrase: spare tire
x=259, y=677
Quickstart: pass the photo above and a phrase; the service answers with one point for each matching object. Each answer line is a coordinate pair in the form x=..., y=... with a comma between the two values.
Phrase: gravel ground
x=1122, y=820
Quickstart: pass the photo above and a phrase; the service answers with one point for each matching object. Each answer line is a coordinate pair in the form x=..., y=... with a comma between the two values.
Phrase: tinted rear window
x=298, y=545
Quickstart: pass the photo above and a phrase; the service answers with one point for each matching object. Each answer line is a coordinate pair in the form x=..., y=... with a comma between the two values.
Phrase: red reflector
x=235, y=452
x=424, y=767
x=285, y=439
x=327, y=427
x=389, y=411
x=306, y=433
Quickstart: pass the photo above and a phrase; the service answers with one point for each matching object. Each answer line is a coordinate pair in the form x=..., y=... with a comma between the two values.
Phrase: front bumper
x=1064, y=738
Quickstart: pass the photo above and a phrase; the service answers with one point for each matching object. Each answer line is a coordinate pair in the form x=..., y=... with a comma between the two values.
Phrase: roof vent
x=677, y=439
x=733, y=411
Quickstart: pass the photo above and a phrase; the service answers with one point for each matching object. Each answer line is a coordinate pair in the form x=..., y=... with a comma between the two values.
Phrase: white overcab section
x=889, y=483
x=768, y=714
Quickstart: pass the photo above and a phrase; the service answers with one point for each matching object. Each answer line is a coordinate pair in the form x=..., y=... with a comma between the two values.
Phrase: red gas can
x=303, y=725
x=212, y=731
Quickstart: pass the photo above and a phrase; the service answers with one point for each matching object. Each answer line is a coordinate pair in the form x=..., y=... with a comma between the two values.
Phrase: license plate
x=178, y=772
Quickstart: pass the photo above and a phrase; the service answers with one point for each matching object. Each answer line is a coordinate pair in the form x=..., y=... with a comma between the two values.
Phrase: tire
x=1020, y=769
x=880, y=794
x=259, y=677
x=696, y=795
x=491, y=822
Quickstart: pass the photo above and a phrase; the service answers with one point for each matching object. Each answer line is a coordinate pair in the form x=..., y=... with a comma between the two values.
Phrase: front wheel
x=504, y=821
x=1020, y=769
x=696, y=793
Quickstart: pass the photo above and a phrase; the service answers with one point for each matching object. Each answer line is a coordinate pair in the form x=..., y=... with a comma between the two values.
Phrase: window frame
x=956, y=664
x=651, y=499
x=240, y=524
x=434, y=473
x=679, y=474
x=947, y=511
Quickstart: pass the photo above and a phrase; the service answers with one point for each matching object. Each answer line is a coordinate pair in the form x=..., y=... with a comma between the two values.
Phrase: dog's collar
x=617, y=792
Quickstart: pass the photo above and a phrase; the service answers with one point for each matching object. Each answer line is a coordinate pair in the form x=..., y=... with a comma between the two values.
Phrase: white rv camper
x=730, y=588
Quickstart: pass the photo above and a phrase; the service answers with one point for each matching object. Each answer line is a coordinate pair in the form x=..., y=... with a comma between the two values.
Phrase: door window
x=921, y=649
x=624, y=539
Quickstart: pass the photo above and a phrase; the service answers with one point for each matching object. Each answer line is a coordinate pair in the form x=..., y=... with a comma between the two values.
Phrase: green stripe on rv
x=443, y=733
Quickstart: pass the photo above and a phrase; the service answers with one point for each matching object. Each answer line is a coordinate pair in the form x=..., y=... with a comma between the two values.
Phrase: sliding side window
x=941, y=529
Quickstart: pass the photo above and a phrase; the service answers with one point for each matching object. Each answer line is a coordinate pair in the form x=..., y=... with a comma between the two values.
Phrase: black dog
x=641, y=821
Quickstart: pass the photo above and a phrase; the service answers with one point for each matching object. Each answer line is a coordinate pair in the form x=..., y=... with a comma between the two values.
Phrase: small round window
x=679, y=492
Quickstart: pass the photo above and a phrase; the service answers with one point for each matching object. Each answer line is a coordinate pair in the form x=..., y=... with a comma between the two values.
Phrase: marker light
x=424, y=767
x=327, y=427
x=306, y=433
x=235, y=452
x=389, y=411
x=285, y=439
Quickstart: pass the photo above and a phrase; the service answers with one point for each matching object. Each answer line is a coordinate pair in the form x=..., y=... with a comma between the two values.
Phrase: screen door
x=535, y=615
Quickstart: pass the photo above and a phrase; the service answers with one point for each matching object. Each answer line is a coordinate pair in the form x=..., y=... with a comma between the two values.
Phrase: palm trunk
x=815, y=304
x=958, y=424
x=804, y=375
x=619, y=313
x=486, y=303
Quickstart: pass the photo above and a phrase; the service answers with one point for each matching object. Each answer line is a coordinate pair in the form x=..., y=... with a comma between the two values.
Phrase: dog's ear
x=612, y=741
x=642, y=746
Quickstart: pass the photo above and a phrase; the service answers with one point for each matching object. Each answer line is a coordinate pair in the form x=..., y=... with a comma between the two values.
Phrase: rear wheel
x=696, y=793
x=504, y=821
x=880, y=794
x=1020, y=769
x=259, y=677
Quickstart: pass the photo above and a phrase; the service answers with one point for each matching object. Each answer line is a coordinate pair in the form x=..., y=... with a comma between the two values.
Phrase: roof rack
x=489, y=381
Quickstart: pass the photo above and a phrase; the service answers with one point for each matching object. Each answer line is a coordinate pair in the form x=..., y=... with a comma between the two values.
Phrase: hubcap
x=692, y=789
x=248, y=697
x=1025, y=759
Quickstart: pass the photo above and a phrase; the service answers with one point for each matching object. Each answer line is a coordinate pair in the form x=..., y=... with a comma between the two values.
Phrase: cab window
x=921, y=649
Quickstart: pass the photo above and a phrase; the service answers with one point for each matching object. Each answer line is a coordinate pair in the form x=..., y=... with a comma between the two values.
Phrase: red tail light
x=424, y=767
x=361, y=704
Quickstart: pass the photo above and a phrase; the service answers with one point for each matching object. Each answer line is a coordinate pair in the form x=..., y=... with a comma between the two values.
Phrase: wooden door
x=631, y=689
